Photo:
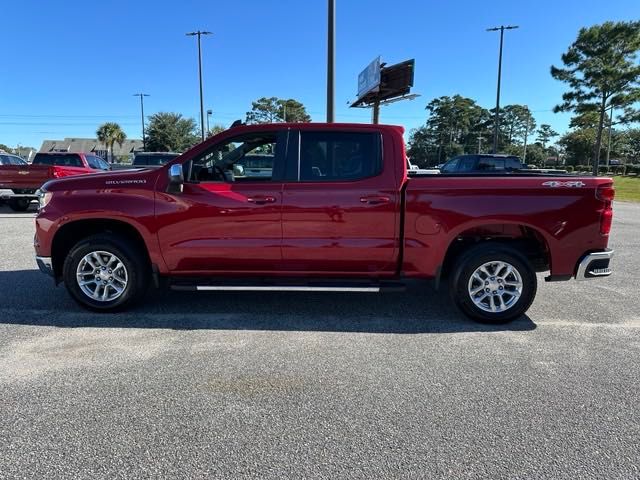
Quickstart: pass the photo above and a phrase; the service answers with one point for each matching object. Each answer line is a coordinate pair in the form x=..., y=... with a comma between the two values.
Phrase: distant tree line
x=603, y=78
x=457, y=125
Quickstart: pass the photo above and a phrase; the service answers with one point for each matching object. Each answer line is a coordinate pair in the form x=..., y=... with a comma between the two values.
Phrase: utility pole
x=331, y=60
x=496, y=126
x=199, y=33
x=144, y=140
x=209, y=112
x=609, y=144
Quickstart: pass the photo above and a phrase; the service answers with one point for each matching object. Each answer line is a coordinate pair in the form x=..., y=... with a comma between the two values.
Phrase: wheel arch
x=530, y=241
x=71, y=233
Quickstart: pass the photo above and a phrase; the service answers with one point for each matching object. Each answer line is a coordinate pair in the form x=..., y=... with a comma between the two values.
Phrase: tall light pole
x=331, y=60
x=142, y=95
x=496, y=125
x=199, y=33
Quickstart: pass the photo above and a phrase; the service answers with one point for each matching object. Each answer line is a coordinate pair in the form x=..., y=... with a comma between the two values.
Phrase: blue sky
x=67, y=66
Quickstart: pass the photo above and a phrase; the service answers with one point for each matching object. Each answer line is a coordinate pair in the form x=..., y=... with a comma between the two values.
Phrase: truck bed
x=562, y=210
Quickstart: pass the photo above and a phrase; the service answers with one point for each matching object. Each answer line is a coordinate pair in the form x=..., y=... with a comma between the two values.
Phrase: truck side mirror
x=176, y=179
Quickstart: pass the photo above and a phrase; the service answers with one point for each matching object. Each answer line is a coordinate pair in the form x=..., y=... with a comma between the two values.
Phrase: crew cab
x=338, y=212
x=25, y=179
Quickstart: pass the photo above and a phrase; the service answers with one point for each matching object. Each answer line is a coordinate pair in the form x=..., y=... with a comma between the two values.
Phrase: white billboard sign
x=369, y=78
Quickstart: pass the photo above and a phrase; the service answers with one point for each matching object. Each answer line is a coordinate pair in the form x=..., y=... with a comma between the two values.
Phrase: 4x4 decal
x=572, y=183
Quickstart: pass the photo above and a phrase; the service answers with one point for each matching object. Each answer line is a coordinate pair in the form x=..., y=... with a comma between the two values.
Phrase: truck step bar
x=337, y=286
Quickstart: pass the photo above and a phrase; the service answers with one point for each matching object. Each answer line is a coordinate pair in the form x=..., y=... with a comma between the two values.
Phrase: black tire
x=474, y=258
x=19, y=204
x=134, y=260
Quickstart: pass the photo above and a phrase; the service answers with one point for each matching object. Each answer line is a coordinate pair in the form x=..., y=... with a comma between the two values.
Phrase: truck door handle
x=261, y=199
x=375, y=199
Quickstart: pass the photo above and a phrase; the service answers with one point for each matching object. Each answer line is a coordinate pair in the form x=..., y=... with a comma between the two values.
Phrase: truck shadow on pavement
x=29, y=298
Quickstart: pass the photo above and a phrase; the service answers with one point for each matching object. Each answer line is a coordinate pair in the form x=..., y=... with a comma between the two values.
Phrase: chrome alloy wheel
x=495, y=286
x=102, y=276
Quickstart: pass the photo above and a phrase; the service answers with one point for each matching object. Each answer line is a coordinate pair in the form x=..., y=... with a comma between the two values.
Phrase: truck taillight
x=605, y=221
x=606, y=194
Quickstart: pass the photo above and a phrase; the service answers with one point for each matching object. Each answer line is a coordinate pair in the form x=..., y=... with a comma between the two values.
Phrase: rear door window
x=490, y=164
x=339, y=156
x=513, y=163
x=466, y=164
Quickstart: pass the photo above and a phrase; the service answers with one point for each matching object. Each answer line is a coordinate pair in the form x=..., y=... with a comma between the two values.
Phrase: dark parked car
x=153, y=159
x=483, y=163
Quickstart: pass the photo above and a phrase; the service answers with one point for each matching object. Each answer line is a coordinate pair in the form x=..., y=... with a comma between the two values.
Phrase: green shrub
x=570, y=168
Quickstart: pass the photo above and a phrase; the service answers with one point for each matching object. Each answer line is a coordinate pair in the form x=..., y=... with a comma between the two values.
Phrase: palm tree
x=110, y=133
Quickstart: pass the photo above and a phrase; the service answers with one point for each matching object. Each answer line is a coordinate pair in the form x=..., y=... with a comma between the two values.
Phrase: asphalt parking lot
x=319, y=386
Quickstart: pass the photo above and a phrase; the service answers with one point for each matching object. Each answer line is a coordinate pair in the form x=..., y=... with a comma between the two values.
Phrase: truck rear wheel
x=19, y=204
x=493, y=283
x=105, y=273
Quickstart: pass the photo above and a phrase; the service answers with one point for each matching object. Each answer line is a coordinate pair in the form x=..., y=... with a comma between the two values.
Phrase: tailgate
x=29, y=177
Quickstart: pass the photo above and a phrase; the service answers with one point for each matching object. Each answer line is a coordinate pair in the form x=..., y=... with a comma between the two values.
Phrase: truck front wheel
x=493, y=283
x=105, y=273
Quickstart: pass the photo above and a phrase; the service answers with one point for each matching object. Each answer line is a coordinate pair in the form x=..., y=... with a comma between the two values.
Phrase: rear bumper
x=45, y=265
x=595, y=265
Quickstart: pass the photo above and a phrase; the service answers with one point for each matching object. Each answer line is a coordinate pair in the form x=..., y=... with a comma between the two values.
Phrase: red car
x=337, y=213
x=25, y=179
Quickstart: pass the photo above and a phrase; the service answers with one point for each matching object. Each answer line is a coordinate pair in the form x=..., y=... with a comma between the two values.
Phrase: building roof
x=77, y=145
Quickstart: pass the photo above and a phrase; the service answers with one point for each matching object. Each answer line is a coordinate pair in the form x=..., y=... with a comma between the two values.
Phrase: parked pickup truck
x=337, y=213
x=25, y=179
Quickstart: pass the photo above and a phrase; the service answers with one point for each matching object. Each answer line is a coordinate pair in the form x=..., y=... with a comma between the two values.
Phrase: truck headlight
x=43, y=198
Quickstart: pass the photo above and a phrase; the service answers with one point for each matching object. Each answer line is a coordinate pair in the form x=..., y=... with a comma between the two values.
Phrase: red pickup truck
x=337, y=213
x=24, y=180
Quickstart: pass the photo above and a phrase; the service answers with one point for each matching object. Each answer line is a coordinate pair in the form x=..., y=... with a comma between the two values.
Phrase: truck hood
x=119, y=179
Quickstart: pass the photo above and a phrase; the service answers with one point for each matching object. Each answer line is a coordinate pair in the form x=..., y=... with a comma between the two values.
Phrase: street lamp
x=199, y=33
x=496, y=125
x=209, y=112
x=142, y=95
x=331, y=60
